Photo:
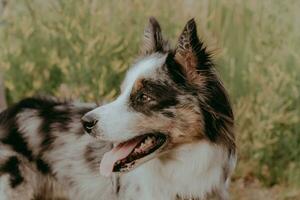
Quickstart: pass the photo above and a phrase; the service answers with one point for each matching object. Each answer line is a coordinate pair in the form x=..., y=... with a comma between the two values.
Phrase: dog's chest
x=149, y=185
x=191, y=175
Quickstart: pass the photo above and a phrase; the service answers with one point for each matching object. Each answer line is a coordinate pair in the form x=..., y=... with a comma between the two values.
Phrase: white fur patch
x=4, y=183
x=231, y=166
x=195, y=172
x=144, y=68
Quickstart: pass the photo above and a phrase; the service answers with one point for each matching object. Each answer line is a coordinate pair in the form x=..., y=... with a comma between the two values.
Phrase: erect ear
x=153, y=40
x=190, y=51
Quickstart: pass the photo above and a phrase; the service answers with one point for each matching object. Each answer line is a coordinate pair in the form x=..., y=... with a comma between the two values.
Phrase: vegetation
x=81, y=49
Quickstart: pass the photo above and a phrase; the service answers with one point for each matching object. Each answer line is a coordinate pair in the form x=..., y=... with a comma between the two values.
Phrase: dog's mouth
x=131, y=153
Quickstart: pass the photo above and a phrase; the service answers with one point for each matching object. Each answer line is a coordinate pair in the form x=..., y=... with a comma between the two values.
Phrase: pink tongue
x=117, y=153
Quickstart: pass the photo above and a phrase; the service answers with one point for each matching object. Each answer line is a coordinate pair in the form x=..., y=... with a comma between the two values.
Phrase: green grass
x=81, y=49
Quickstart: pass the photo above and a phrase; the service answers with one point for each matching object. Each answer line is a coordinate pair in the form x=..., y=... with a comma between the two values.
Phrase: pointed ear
x=153, y=40
x=190, y=51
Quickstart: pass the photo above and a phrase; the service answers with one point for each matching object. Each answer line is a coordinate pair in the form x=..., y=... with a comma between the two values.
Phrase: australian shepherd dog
x=167, y=136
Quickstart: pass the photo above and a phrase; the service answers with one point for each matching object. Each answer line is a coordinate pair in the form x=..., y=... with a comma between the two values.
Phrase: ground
x=243, y=189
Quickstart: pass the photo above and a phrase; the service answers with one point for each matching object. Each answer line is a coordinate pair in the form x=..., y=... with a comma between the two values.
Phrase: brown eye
x=144, y=98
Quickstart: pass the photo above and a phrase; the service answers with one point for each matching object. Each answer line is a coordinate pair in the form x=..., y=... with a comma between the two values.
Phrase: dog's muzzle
x=89, y=122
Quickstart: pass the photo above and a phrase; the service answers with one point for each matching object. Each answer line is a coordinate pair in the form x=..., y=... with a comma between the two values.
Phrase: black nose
x=88, y=122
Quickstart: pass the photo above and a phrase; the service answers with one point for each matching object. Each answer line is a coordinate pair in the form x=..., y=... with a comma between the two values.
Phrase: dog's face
x=168, y=98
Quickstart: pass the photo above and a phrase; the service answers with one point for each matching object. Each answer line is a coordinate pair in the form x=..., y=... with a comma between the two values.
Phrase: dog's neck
x=192, y=171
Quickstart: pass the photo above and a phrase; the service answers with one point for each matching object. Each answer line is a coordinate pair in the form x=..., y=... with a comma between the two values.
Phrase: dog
x=169, y=135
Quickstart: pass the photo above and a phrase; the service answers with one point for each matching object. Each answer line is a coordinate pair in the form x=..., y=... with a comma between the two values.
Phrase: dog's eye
x=144, y=98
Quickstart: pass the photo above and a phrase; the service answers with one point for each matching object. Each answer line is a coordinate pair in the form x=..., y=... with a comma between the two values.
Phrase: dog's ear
x=190, y=52
x=153, y=40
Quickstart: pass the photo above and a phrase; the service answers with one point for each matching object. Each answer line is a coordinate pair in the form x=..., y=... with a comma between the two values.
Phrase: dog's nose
x=89, y=121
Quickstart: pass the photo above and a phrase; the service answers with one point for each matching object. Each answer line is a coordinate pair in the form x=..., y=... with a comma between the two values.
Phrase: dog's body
x=170, y=130
x=44, y=148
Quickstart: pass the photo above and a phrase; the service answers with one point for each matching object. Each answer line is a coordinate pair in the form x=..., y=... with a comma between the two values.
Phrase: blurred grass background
x=81, y=49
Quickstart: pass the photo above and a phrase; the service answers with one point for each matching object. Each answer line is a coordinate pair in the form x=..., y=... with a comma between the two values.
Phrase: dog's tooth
x=145, y=145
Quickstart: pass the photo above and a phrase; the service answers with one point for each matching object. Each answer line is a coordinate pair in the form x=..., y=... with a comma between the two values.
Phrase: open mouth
x=127, y=155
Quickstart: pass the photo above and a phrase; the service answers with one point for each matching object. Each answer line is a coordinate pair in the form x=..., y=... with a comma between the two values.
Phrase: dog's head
x=168, y=98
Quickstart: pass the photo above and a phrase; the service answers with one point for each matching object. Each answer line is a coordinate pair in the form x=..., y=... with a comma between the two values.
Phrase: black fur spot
x=61, y=118
x=53, y=118
x=54, y=113
x=12, y=167
x=174, y=70
x=8, y=120
x=42, y=166
x=216, y=110
x=219, y=99
x=204, y=58
x=163, y=95
x=211, y=127
x=17, y=142
x=168, y=114
x=28, y=103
